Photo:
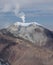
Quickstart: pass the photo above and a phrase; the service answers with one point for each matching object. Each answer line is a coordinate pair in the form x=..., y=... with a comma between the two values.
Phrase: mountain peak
x=25, y=23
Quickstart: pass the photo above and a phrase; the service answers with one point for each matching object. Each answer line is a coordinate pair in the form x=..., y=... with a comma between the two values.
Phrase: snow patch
x=25, y=23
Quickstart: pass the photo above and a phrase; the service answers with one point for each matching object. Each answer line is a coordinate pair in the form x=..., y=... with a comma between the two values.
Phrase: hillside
x=14, y=51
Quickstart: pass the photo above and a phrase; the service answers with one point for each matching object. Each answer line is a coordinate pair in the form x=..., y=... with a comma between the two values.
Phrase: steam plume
x=22, y=16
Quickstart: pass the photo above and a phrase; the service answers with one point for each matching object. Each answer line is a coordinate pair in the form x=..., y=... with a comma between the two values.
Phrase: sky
x=40, y=11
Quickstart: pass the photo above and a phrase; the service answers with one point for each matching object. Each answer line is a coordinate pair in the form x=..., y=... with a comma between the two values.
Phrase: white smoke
x=22, y=16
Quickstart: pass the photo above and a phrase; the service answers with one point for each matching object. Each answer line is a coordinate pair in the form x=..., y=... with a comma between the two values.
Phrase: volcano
x=26, y=44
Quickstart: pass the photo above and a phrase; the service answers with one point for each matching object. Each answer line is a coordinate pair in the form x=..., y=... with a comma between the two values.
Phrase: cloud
x=16, y=5
x=9, y=6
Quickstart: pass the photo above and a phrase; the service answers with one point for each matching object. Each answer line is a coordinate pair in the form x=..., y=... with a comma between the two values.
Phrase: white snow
x=25, y=23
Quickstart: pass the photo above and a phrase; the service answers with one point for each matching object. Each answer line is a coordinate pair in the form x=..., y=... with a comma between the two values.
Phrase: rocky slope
x=14, y=51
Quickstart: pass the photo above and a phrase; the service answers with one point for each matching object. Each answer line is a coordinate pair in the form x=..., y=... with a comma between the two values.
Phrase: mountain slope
x=14, y=51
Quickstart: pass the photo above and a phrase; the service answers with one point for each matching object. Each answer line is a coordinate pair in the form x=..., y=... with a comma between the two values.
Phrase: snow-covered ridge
x=25, y=23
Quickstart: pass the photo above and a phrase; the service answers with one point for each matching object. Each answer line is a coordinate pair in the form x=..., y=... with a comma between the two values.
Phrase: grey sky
x=16, y=5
